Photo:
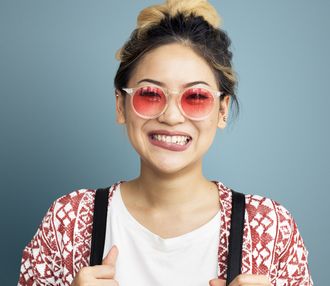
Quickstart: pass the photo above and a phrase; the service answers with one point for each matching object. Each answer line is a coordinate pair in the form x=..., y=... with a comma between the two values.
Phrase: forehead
x=174, y=65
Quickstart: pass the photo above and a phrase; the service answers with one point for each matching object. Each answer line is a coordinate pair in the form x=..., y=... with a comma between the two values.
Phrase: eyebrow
x=189, y=84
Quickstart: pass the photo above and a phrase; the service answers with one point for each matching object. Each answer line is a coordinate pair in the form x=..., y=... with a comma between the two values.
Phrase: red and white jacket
x=272, y=244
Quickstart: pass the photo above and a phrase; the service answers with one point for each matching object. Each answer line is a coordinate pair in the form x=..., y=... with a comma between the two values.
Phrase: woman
x=170, y=225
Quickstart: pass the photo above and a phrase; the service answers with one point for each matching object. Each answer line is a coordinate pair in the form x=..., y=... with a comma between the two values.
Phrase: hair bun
x=197, y=7
x=152, y=15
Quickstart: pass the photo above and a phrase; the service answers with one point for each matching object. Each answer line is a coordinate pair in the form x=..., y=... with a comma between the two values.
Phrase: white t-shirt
x=146, y=259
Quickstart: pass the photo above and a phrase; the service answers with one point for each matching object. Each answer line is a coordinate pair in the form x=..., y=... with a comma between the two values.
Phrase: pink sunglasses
x=150, y=101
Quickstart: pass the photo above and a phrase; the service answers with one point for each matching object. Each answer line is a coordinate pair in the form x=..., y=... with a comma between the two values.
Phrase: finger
x=102, y=282
x=250, y=279
x=111, y=257
x=107, y=282
x=217, y=282
x=96, y=272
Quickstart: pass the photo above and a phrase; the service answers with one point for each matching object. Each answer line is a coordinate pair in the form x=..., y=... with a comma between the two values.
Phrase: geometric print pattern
x=272, y=244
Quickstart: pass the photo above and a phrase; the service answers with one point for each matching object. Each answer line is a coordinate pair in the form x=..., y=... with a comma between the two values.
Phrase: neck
x=179, y=190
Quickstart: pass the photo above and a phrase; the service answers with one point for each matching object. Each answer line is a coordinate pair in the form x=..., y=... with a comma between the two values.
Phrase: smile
x=180, y=140
x=170, y=140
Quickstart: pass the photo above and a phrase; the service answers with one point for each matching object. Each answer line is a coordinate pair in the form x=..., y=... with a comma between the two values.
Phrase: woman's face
x=173, y=66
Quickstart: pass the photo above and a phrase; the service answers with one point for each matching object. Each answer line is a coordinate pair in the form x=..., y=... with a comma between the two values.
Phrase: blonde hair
x=154, y=14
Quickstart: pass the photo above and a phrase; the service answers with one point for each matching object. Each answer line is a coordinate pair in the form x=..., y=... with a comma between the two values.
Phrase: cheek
x=207, y=131
x=134, y=127
x=134, y=134
x=211, y=125
x=131, y=117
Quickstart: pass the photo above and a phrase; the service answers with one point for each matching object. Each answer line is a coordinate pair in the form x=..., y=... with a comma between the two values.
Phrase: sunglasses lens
x=197, y=102
x=149, y=101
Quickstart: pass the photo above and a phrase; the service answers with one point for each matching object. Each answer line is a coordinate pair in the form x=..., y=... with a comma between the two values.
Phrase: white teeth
x=180, y=140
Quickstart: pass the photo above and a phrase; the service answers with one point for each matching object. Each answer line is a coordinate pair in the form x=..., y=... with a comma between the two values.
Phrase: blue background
x=58, y=130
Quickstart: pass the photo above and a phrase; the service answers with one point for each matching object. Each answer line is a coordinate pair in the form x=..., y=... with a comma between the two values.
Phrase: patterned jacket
x=272, y=244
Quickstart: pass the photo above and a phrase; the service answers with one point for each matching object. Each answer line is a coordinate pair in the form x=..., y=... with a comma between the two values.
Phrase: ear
x=120, y=107
x=223, y=112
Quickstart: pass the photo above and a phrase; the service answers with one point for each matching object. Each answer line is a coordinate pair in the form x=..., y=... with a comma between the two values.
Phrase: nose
x=172, y=115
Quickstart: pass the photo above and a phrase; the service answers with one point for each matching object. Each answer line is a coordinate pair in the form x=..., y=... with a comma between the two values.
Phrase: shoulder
x=265, y=207
x=64, y=210
x=75, y=207
x=72, y=202
x=79, y=200
x=270, y=221
x=264, y=217
x=256, y=206
x=267, y=210
x=60, y=219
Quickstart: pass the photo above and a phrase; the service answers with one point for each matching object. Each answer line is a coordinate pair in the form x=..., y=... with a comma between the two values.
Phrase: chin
x=169, y=165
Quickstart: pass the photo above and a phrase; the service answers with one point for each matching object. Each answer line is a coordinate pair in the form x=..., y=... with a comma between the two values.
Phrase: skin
x=99, y=275
x=243, y=280
x=171, y=186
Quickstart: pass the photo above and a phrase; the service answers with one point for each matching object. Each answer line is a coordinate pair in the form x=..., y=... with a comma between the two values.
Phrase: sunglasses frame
x=132, y=91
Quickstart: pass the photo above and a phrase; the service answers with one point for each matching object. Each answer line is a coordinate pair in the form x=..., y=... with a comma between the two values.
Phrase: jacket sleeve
x=293, y=265
x=40, y=259
x=61, y=245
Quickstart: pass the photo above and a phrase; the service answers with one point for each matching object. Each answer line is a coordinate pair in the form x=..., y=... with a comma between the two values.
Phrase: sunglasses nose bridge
x=172, y=112
x=172, y=100
x=175, y=92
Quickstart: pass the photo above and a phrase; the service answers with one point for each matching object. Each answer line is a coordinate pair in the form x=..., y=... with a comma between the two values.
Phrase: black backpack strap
x=99, y=226
x=236, y=236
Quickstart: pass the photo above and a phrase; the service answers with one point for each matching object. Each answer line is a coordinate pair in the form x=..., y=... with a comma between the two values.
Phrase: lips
x=174, y=141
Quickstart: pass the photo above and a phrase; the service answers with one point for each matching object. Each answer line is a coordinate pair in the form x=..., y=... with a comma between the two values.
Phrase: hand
x=243, y=280
x=99, y=275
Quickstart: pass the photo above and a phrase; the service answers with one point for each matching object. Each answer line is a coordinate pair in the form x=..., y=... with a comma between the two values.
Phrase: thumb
x=217, y=282
x=111, y=257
